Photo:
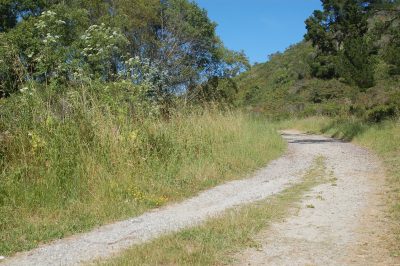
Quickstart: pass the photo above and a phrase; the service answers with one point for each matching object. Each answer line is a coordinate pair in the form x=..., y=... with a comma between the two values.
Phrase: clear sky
x=260, y=27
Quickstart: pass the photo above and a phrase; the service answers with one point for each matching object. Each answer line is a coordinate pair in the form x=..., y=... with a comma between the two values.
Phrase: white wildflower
x=61, y=22
x=49, y=13
x=24, y=89
x=40, y=25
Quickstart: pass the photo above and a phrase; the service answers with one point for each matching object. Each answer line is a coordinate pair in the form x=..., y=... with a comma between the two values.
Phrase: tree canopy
x=75, y=41
x=346, y=33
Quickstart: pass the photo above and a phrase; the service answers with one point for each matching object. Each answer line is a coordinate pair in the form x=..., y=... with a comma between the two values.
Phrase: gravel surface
x=318, y=236
x=341, y=222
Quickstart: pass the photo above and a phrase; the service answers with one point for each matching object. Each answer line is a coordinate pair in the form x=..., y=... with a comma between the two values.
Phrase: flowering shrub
x=51, y=52
x=102, y=48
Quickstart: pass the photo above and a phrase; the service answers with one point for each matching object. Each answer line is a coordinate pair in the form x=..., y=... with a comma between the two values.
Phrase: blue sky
x=260, y=27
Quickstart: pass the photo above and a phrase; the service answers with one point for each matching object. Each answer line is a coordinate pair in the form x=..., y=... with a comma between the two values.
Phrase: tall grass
x=72, y=160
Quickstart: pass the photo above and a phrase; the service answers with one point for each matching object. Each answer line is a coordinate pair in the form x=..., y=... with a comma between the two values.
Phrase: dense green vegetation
x=170, y=44
x=109, y=108
x=73, y=162
x=346, y=66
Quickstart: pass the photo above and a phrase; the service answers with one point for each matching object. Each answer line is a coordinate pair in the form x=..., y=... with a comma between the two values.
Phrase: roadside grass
x=70, y=164
x=216, y=241
x=382, y=138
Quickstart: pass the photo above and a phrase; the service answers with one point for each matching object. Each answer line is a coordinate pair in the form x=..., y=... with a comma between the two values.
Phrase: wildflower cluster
x=50, y=27
x=100, y=42
x=140, y=197
x=36, y=141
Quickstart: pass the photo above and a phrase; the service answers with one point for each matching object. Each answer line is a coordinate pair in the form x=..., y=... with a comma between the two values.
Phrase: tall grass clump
x=75, y=158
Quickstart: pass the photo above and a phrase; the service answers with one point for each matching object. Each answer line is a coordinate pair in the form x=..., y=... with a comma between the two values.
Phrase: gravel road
x=342, y=222
x=323, y=235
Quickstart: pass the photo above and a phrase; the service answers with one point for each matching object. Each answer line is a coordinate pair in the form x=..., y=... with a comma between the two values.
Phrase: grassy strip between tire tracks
x=214, y=242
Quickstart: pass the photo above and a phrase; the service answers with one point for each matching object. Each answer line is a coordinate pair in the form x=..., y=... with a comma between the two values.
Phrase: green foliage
x=85, y=156
x=11, y=70
x=281, y=70
x=346, y=66
x=10, y=10
x=386, y=33
x=392, y=52
x=355, y=63
x=382, y=112
x=101, y=48
x=274, y=89
x=339, y=35
x=284, y=86
x=324, y=67
x=83, y=41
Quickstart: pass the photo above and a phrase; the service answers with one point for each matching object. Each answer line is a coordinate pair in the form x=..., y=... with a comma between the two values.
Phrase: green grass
x=72, y=162
x=215, y=242
x=382, y=138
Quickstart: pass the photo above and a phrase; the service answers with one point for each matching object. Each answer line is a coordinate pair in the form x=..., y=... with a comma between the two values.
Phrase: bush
x=381, y=112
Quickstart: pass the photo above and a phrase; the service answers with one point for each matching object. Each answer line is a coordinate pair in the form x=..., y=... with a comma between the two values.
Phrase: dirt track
x=345, y=216
x=341, y=222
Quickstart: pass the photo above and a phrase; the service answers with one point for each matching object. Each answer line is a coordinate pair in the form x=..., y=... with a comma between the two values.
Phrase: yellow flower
x=133, y=135
x=36, y=141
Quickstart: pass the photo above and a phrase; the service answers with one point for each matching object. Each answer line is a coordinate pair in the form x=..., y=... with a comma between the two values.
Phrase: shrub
x=381, y=112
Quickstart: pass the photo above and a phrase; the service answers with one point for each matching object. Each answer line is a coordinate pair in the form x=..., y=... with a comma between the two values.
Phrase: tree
x=12, y=10
x=355, y=63
x=339, y=33
x=188, y=42
x=392, y=53
x=73, y=41
x=221, y=86
x=387, y=33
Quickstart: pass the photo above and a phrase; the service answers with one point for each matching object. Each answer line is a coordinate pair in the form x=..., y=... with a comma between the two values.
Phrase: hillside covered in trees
x=348, y=64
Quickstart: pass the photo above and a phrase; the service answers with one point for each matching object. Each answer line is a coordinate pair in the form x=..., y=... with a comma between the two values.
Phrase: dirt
x=339, y=223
